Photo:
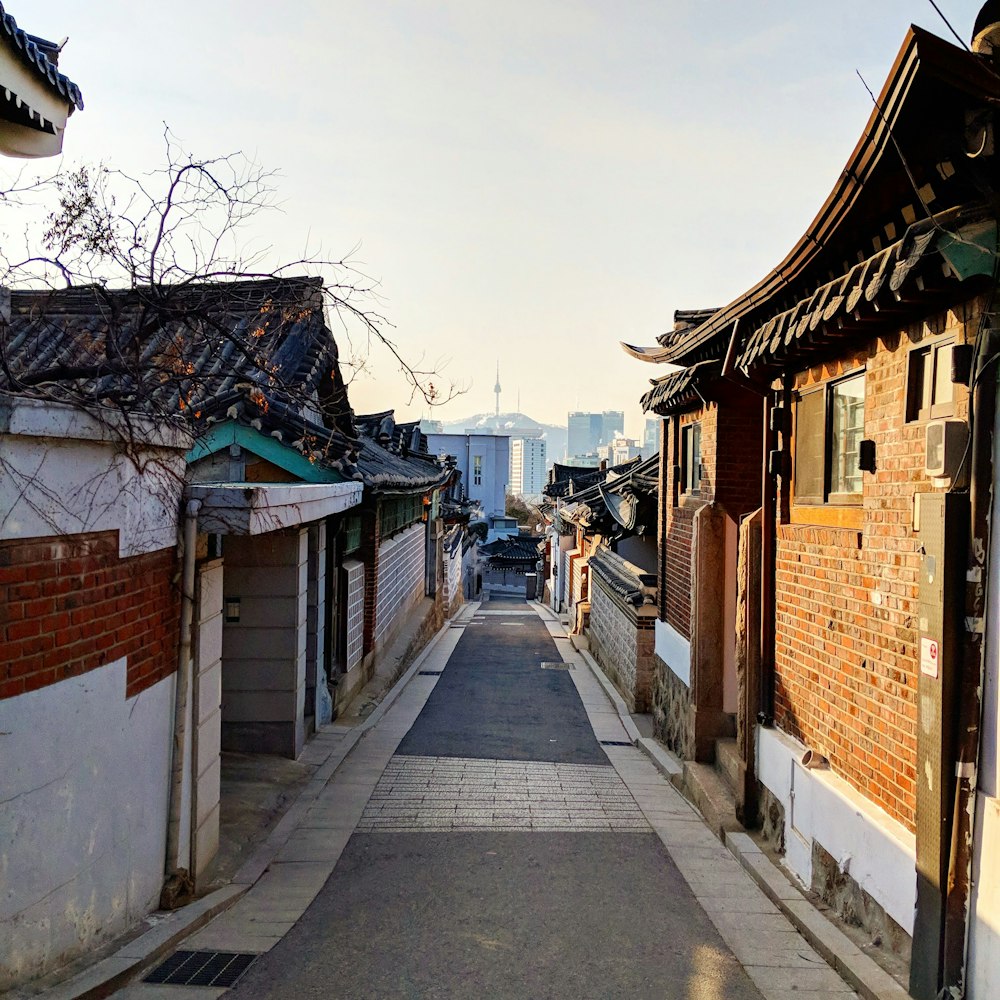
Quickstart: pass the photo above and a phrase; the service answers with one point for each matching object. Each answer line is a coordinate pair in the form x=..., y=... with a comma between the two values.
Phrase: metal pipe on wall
x=179, y=882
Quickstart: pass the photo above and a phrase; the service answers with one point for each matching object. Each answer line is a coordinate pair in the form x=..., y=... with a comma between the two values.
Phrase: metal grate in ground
x=441, y=794
x=201, y=968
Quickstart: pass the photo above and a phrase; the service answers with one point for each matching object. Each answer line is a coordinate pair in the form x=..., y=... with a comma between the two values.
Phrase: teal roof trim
x=220, y=436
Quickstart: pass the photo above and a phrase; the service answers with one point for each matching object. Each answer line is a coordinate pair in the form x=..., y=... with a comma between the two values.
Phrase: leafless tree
x=162, y=236
x=147, y=297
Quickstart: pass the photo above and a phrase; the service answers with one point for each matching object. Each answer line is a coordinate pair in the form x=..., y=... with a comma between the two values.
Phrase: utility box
x=943, y=539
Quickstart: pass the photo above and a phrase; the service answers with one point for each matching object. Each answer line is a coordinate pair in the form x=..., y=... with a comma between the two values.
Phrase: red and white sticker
x=929, y=658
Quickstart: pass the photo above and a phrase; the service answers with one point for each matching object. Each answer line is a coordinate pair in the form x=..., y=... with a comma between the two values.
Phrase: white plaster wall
x=878, y=853
x=674, y=650
x=62, y=472
x=452, y=575
x=83, y=816
x=58, y=486
x=494, y=449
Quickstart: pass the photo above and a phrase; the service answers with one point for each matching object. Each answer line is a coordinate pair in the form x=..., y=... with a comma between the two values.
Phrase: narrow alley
x=497, y=834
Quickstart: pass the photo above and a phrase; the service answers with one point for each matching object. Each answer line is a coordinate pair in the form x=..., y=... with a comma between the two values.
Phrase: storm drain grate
x=429, y=673
x=201, y=968
x=553, y=665
x=616, y=743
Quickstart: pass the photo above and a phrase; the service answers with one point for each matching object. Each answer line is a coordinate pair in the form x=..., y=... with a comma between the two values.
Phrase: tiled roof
x=567, y=480
x=803, y=328
x=382, y=469
x=515, y=549
x=34, y=53
x=621, y=577
x=259, y=352
x=680, y=389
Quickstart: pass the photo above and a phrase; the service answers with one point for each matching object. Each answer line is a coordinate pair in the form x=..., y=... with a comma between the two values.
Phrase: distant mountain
x=555, y=437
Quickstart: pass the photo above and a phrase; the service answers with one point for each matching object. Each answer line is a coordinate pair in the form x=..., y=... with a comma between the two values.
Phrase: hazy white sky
x=530, y=181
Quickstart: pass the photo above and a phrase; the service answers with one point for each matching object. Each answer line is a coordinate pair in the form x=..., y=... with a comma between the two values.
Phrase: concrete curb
x=171, y=928
x=168, y=930
x=857, y=969
x=611, y=691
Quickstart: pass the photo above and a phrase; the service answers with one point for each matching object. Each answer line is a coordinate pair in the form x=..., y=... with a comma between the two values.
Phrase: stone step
x=727, y=762
x=710, y=795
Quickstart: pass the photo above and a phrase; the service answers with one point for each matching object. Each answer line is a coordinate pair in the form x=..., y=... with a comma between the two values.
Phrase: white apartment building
x=527, y=466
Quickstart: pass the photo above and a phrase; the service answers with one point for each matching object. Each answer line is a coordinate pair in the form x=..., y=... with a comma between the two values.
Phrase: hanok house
x=510, y=563
x=710, y=444
x=568, y=546
x=861, y=597
x=128, y=663
x=395, y=543
x=36, y=100
x=620, y=515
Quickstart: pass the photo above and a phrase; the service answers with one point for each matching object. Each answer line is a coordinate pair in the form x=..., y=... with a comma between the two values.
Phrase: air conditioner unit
x=946, y=443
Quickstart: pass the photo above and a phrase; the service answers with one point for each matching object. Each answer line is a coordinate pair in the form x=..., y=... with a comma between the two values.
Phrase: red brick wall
x=70, y=605
x=675, y=581
x=846, y=597
x=731, y=477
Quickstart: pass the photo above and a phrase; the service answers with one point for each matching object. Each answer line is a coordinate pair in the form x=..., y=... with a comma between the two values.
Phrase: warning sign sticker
x=929, y=659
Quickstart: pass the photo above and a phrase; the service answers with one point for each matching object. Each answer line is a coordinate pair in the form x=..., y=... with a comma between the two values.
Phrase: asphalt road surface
x=557, y=888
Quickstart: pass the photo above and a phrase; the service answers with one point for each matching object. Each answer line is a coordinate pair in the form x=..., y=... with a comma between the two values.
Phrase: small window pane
x=691, y=458
x=809, y=447
x=918, y=390
x=944, y=388
x=847, y=428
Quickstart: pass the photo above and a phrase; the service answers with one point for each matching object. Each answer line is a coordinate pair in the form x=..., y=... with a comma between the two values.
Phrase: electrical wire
x=961, y=40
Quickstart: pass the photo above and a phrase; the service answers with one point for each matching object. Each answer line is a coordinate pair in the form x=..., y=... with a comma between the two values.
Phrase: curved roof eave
x=919, y=47
x=653, y=355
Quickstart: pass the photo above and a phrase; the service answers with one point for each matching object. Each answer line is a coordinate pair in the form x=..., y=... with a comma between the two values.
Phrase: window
x=929, y=390
x=829, y=427
x=477, y=470
x=352, y=533
x=691, y=458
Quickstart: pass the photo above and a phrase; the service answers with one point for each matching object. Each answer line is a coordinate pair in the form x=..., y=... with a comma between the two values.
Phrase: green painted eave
x=972, y=251
x=220, y=436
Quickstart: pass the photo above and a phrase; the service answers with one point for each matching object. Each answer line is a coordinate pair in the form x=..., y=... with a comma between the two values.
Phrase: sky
x=529, y=183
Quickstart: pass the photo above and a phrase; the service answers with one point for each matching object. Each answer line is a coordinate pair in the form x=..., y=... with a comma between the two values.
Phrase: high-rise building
x=586, y=432
x=651, y=440
x=527, y=466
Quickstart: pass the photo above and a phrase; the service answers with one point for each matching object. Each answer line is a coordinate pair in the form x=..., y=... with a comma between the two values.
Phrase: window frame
x=828, y=498
x=477, y=470
x=690, y=484
x=924, y=409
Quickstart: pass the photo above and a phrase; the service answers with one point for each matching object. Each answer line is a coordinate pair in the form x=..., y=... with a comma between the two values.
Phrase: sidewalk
x=278, y=883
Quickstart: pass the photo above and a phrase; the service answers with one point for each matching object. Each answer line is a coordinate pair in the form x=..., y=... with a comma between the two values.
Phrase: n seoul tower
x=496, y=389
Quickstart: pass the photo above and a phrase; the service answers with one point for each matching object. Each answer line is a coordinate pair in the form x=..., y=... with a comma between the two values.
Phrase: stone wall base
x=672, y=710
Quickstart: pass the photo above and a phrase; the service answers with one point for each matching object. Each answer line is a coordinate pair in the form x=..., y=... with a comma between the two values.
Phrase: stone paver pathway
x=481, y=840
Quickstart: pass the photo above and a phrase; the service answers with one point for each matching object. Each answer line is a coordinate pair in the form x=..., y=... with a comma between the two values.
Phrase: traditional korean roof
x=619, y=505
x=916, y=160
x=680, y=390
x=634, y=588
x=512, y=550
x=256, y=352
x=890, y=281
x=400, y=437
x=40, y=56
x=566, y=480
x=388, y=471
x=394, y=456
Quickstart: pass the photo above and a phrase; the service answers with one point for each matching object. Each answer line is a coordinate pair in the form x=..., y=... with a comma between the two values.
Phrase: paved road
x=500, y=855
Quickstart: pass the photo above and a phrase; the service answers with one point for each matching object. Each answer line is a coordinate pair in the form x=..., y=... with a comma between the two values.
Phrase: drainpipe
x=179, y=880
